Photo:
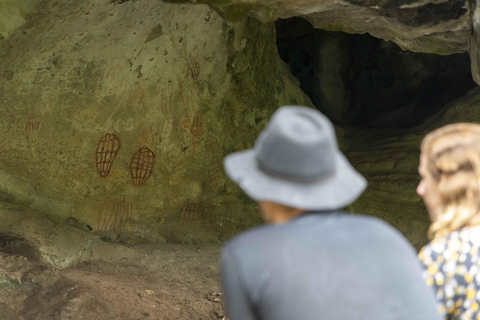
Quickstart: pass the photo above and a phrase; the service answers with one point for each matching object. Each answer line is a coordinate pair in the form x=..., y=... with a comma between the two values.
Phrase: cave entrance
x=364, y=81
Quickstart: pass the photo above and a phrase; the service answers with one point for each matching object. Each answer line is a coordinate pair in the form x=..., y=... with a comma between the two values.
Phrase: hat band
x=277, y=175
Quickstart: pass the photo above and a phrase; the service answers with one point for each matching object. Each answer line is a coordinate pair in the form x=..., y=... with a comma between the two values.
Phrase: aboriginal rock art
x=215, y=173
x=3, y=143
x=113, y=214
x=191, y=211
x=141, y=166
x=197, y=124
x=32, y=126
x=195, y=128
x=166, y=99
x=106, y=153
x=148, y=137
x=8, y=75
x=136, y=96
x=180, y=87
x=167, y=130
x=211, y=143
x=194, y=67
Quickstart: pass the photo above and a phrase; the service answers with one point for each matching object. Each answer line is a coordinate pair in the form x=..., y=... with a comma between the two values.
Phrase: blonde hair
x=452, y=156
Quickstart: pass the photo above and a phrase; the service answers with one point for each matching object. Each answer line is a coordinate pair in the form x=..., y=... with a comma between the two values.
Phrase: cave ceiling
x=441, y=27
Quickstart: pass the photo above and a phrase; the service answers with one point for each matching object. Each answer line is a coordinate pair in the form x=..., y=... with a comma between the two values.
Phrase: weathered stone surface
x=389, y=161
x=13, y=13
x=39, y=238
x=98, y=280
x=116, y=116
x=361, y=80
x=474, y=49
x=421, y=26
x=432, y=32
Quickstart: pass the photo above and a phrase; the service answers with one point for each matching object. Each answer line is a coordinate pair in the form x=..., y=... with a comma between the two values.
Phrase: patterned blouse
x=452, y=268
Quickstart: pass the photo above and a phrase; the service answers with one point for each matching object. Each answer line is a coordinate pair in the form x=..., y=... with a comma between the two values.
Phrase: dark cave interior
x=363, y=81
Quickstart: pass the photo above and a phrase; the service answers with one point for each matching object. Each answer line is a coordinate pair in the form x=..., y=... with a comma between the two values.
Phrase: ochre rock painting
x=113, y=214
x=148, y=137
x=195, y=129
x=194, y=67
x=191, y=211
x=215, y=173
x=211, y=143
x=32, y=126
x=8, y=75
x=197, y=124
x=3, y=143
x=118, y=129
x=141, y=166
x=106, y=153
x=166, y=99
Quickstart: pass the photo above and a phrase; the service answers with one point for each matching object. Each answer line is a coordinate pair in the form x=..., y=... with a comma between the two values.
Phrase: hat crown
x=298, y=143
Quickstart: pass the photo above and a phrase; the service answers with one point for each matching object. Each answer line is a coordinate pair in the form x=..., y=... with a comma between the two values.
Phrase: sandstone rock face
x=421, y=26
x=116, y=116
x=364, y=81
x=13, y=13
x=389, y=161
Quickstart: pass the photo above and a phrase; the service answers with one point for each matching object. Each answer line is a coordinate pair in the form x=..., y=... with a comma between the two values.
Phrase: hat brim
x=336, y=191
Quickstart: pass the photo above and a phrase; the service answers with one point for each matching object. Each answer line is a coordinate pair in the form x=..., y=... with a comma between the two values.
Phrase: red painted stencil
x=141, y=166
x=191, y=211
x=106, y=153
x=197, y=124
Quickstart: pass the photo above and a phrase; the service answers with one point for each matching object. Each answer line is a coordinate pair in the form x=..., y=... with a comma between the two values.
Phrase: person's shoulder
x=249, y=237
x=376, y=228
x=336, y=220
x=369, y=222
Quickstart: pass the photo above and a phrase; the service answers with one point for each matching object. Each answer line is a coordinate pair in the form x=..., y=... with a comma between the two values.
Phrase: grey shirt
x=330, y=266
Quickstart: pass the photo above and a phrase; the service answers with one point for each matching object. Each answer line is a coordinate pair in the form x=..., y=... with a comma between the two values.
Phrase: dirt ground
x=161, y=281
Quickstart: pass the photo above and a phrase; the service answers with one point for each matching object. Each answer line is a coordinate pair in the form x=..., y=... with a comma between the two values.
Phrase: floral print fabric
x=452, y=269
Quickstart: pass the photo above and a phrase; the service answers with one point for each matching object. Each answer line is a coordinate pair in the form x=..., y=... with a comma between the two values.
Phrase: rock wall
x=364, y=81
x=13, y=13
x=116, y=116
x=389, y=161
x=420, y=26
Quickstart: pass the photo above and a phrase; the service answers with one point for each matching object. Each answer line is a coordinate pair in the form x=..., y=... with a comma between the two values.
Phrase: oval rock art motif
x=191, y=211
x=114, y=213
x=215, y=173
x=167, y=129
x=106, y=153
x=141, y=166
x=197, y=125
x=211, y=143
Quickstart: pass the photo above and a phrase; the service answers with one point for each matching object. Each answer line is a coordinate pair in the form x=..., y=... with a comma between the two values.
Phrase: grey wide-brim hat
x=296, y=162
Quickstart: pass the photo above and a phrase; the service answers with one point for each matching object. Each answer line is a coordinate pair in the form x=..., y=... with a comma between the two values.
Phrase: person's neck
x=280, y=217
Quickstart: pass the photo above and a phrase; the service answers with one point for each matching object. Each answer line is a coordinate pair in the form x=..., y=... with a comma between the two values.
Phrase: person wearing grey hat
x=311, y=260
